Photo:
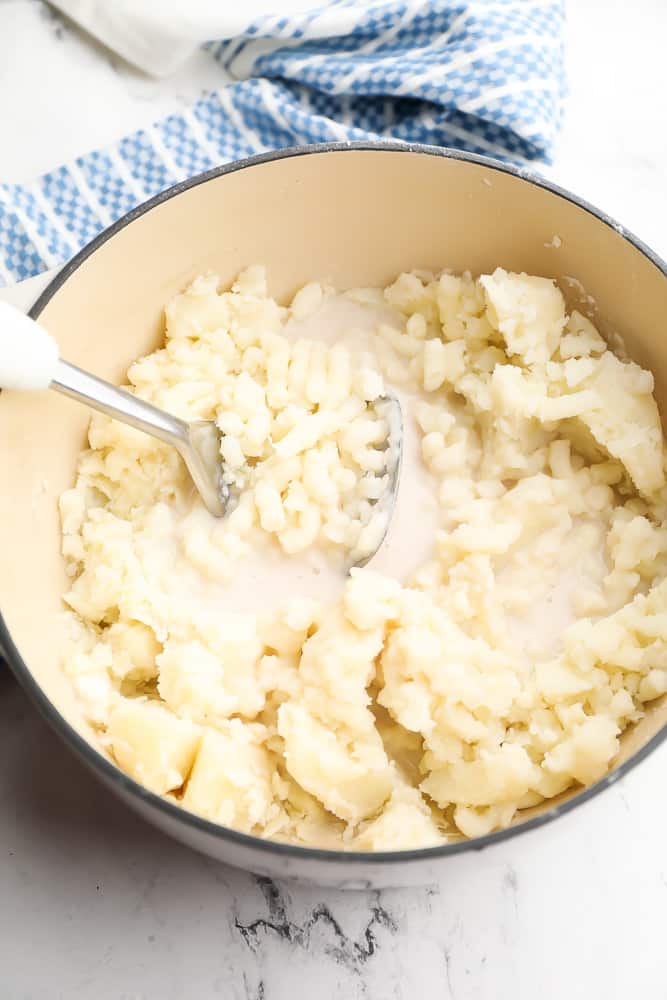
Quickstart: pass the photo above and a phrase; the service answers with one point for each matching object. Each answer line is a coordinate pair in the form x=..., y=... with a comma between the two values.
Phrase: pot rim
x=122, y=782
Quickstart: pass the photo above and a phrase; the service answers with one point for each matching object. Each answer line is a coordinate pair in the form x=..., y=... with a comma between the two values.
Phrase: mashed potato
x=486, y=660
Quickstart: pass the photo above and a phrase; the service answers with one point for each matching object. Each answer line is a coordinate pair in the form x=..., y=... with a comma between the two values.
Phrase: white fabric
x=158, y=36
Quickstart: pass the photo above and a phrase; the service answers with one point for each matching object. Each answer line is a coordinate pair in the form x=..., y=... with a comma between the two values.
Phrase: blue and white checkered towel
x=481, y=75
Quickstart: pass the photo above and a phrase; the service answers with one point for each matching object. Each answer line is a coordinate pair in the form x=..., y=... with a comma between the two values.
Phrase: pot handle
x=28, y=354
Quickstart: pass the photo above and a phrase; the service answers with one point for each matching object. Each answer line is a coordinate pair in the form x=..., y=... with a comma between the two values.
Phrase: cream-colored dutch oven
x=358, y=214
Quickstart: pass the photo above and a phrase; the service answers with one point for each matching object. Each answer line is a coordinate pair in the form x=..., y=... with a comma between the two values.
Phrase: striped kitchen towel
x=481, y=75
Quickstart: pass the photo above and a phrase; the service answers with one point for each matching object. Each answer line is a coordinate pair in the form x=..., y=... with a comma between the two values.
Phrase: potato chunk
x=152, y=745
x=231, y=778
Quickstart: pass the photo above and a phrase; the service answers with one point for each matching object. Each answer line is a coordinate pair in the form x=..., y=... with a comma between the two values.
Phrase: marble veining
x=96, y=905
x=54, y=21
x=350, y=952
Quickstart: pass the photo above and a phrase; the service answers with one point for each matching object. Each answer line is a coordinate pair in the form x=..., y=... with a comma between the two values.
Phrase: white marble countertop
x=96, y=904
